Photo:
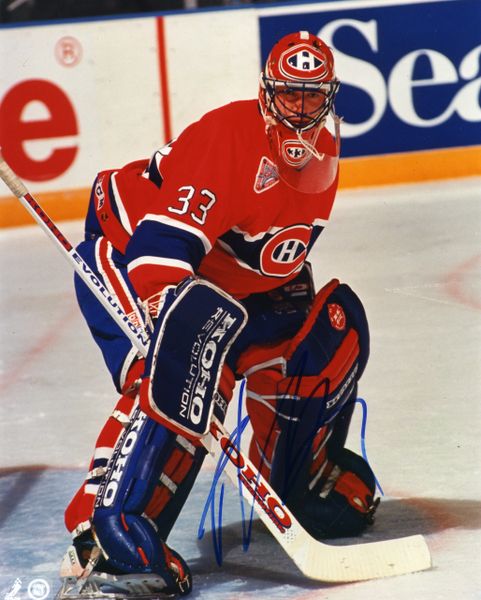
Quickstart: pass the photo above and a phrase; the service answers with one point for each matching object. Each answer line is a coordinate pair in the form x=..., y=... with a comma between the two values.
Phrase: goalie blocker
x=196, y=326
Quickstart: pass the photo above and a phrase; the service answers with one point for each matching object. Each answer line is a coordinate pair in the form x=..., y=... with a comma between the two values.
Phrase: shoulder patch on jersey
x=266, y=177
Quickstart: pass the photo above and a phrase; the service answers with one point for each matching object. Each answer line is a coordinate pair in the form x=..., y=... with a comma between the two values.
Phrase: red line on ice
x=456, y=282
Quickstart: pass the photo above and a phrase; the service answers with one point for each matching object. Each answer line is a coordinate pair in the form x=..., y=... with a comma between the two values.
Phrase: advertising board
x=79, y=97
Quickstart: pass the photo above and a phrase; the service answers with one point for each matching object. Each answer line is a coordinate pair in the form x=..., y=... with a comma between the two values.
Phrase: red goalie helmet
x=297, y=91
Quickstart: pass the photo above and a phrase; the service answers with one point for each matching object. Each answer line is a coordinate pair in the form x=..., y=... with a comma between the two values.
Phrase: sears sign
x=410, y=73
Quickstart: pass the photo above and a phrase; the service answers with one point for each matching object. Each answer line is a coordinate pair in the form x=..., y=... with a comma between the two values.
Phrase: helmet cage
x=314, y=101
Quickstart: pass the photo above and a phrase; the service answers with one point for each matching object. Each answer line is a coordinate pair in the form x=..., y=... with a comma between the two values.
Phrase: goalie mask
x=296, y=95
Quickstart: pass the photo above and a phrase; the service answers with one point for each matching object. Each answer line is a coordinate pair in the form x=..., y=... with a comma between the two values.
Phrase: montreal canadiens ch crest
x=294, y=153
x=303, y=62
x=286, y=251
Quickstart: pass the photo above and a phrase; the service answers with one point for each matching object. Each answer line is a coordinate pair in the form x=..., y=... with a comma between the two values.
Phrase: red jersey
x=212, y=203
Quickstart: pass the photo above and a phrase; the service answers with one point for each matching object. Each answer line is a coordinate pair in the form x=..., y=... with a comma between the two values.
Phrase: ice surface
x=413, y=253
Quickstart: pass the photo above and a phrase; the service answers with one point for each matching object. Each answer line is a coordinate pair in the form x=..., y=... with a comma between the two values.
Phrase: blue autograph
x=216, y=506
x=363, y=404
x=210, y=503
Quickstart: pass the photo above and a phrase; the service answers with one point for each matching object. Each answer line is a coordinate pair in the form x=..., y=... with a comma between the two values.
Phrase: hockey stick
x=316, y=560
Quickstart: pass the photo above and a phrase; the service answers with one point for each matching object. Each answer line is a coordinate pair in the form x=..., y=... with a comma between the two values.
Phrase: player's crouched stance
x=300, y=392
x=301, y=353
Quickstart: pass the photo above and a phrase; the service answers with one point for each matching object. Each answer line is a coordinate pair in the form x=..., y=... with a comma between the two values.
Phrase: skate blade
x=101, y=595
x=100, y=586
x=108, y=596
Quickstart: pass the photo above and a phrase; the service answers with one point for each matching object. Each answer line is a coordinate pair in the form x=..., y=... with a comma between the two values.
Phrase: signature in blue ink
x=301, y=422
x=363, y=405
x=294, y=461
x=210, y=503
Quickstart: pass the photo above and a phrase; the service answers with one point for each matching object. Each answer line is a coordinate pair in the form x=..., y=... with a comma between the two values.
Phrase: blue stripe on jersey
x=152, y=171
x=113, y=202
x=316, y=232
x=152, y=238
x=249, y=251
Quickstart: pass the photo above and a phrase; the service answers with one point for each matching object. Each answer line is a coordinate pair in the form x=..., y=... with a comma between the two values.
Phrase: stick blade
x=360, y=562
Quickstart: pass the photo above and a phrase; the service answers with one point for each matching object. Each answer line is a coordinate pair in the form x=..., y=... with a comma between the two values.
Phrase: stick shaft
x=138, y=337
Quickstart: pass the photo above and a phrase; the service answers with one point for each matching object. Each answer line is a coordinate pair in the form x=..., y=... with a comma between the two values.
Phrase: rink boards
x=78, y=97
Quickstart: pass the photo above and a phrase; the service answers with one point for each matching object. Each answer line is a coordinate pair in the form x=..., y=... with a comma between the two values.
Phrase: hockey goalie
x=206, y=246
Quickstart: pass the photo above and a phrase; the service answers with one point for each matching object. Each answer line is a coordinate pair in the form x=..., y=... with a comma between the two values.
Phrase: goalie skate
x=84, y=583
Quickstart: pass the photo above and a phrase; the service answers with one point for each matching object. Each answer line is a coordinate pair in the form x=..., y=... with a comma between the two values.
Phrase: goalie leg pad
x=195, y=328
x=128, y=511
x=298, y=387
x=140, y=477
x=80, y=509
